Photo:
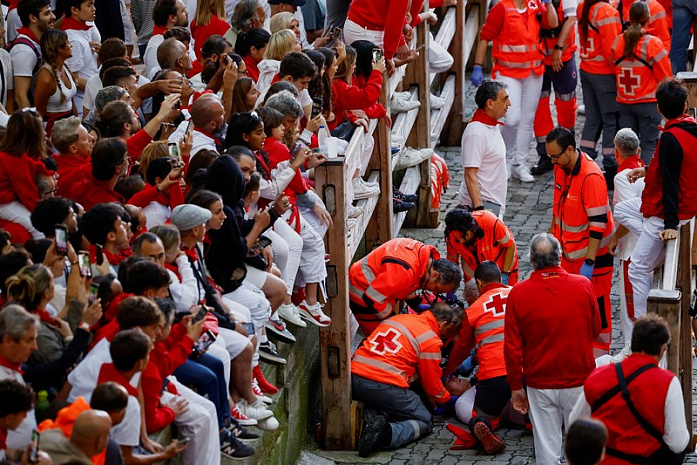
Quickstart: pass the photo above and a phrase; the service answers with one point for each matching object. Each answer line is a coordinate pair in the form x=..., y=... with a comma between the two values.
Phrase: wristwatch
x=480, y=207
x=558, y=47
x=590, y=261
x=85, y=326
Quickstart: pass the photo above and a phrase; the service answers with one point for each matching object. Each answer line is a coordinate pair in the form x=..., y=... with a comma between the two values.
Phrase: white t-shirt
x=84, y=60
x=150, y=55
x=13, y=24
x=24, y=58
x=483, y=147
x=94, y=85
x=156, y=214
x=624, y=190
x=7, y=74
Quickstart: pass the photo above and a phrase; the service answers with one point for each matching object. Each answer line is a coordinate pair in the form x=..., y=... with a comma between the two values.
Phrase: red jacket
x=658, y=24
x=675, y=158
x=71, y=170
x=215, y=26
x=648, y=392
x=18, y=179
x=137, y=143
x=278, y=153
x=89, y=192
x=552, y=319
x=172, y=199
x=400, y=351
x=356, y=97
x=252, y=68
x=603, y=26
x=167, y=356
x=638, y=76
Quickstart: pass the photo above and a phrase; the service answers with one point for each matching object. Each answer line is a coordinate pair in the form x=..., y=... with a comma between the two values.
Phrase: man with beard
x=166, y=15
x=208, y=118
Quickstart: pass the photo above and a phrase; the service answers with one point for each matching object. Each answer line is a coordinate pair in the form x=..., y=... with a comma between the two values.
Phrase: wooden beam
x=685, y=341
x=452, y=132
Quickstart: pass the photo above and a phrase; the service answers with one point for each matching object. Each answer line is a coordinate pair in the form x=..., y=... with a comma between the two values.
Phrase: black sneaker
x=269, y=354
x=399, y=195
x=375, y=427
x=399, y=206
x=241, y=433
x=543, y=165
x=233, y=448
x=278, y=329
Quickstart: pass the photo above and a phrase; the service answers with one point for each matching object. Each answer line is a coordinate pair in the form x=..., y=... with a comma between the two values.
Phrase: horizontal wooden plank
x=446, y=32
x=409, y=185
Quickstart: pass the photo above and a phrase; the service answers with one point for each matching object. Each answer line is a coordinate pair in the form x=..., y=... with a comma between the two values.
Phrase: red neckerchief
x=13, y=5
x=680, y=119
x=113, y=259
x=174, y=270
x=218, y=142
x=74, y=24
x=260, y=159
x=109, y=373
x=12, y=366
x=252, y=67
x=482, y=117
x=3, y=438
x=47, y=318
x=27, y=32
x=196, y=68
x=159, y=30
x=630, y=163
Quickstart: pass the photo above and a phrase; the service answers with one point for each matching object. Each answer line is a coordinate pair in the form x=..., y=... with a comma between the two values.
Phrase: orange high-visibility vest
x=603, y=27
x=637, y=76
x=551, y=36
x=658, y=25
x=517, y=49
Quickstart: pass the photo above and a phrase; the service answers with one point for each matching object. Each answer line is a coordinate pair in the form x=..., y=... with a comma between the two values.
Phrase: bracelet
x=478, y=208
x=558, y=47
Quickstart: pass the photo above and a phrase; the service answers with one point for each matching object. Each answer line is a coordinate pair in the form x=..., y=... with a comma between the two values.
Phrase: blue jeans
x=683, y=13
x=205, y=374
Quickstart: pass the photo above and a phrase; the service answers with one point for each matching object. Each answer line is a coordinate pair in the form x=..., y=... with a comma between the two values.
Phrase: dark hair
x=297, y=65
x=105, y=293
x=489, y=90
x=99, y=221
x=115, y=74
x=449, y=272
x=638, y=16
x=585, y=442
x=272, y=119
x=364, y=57
x=107, y=155
x=158, y=168
x=280, y=86
x=583, y=20
x=488, y=272
x=16, y=397
x=30, y=7
x=112, y=63
x=163, y=10
x=130, y=186
x=650, y=333
x=327, y=99
x=24, y=134
x=460, y=219
x=5, y=238
x=145, y=275
x=137, y=312
x=180, y=33
x=253, y=184
x=239, y=95
x=214, y=45
x=128, y=348
x=562, y=136
x=199, y=160
x=69, y=4
x=51, y=42
x=50, y=212
x=148, y=237
x=671, y=95
x=10, y=264
x=109, y=397
x=167, y=307
x=113, y=47
x=204, y=198
x=257, y=38
x=112, y=118
x=241, y=123
x=38, y=248
x=444, y=312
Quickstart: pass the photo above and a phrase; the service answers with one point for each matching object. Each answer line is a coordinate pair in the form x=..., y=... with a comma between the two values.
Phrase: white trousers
x=439, y=59
x=200, y=423
x=294, y=244
x=219, y=350
x=16, y=212
x=549, y=411
x=354, y=32
x=312, y=267
x=259, y=307
x=517, y=132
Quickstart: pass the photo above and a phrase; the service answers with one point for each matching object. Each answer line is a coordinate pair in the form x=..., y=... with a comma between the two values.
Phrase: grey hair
x=169, y=52
x=448, y=272
x=471, y=291
x=44, y=184
x=627, y=142
x=545, y=251
x=15, y=321
x=489, y=90
x=285, y=103
x=244, y=12
x=64, y=133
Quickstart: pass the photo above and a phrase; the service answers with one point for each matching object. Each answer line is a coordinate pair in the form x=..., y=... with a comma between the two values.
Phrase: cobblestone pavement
x=528, y=212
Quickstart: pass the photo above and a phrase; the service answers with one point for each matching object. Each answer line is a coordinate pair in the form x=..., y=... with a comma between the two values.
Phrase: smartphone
x=377, y=55
x=174, y=153
x=317, y=103
x=61, y=239
x=249, y=327
x=34, y=451
x=263, y=241
x=336, y=33
x=83, y=259
x=94, y=289
x=190, y=126
x=183, y=441
x=200, y=315
x=204, y=342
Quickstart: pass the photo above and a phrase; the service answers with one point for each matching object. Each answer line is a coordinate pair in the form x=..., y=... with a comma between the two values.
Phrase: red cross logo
x=585, y=50
x=628, y=81
x=496, y=304
x=386, y=342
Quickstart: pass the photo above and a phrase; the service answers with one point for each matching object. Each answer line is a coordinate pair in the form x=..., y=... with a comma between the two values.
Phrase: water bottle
x=42, y=403
x=322, y=139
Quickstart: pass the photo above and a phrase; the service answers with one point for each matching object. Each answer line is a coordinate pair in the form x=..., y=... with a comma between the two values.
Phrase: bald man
x=208, y=124
x=89, y=438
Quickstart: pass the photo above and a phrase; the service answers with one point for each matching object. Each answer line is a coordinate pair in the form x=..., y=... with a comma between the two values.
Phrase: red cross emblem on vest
x=496, y=304
x=586, y=50
x=386, y=342
x=628, y=81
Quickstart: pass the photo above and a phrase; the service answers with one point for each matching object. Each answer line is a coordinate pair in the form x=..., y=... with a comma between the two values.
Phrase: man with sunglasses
x=582, y=222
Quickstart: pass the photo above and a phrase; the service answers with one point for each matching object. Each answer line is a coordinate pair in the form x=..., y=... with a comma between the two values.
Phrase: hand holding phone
x=34, y=447
x=61, y=233
x=83, y=260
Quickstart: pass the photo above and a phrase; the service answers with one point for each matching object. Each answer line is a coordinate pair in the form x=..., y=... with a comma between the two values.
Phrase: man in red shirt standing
x=551, y=322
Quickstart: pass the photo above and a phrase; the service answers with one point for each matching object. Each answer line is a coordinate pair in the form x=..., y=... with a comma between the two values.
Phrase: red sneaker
x=241, y=418
x=264, y=385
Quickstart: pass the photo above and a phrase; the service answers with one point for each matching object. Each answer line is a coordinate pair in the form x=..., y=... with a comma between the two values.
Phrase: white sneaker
x=402, y=105
x=256, y=410
x=402, y=95
x=259, y=393
x=362, y=190
x=412, y=157
x=270, y=424
x=314, y=314
x=437, y=102
x=290, y=313
x=354, y=212
x=522, y=172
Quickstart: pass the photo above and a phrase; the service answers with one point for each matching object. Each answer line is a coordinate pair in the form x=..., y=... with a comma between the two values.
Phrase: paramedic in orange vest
x=482, y=328
x=655, y=393
x=559, y=49
x=473, y=237
x=514, y=28
x=395, y=271
x=657, y=24
x=582, y=222
x=402, y=349
x=641, y=62
x=598, y=26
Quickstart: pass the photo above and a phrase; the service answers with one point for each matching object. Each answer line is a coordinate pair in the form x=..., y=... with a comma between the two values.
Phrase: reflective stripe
x=505, y=239
x=565, y=97
x=417, y=429
x=571, y=229
x=375, y=295
x=378, y=364
x=430, y=356
x=606, y=21
x=597, y=224
x=660, y=56
x=426, y=336
x=522, y=64
x=644, y=49
x=488, y=327
x=367, y=272
x=441, y=393
x=595, y=58
x=354, y=290
x=405, y=332
x=659, y=15
x=588, y=144
x=608, y=150
x=581, y=253
x=515, y=48
x=595, y=211
x=490, y=340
